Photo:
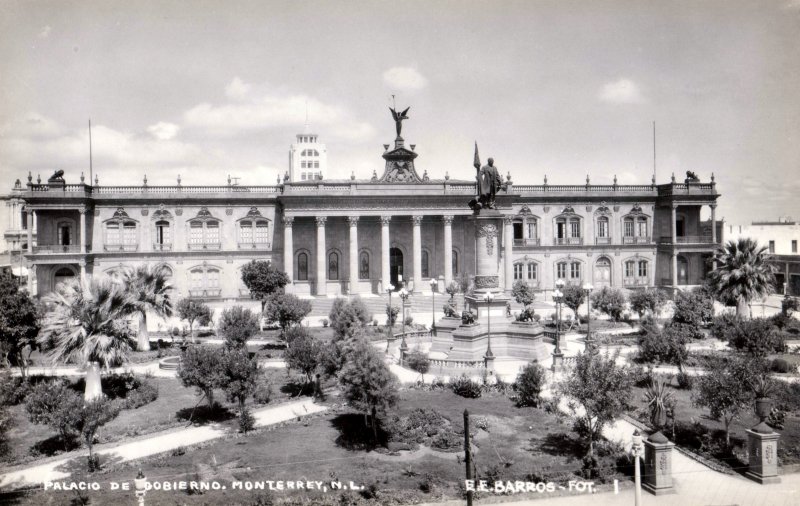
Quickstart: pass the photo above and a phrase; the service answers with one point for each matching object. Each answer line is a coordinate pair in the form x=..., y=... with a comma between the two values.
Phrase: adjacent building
x=361, y=235
x=781, y=238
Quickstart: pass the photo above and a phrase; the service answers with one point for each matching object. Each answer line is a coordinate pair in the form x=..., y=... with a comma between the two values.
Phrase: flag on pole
x=477, y=162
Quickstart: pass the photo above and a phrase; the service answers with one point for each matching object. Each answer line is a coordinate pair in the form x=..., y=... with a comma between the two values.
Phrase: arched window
x=204, y=282
x=302, y=266
x=363, y=265
x=630, y=269
x=568, y=230
x=253, y=230
x=455, y=263
x=424, y=262
x=636, y=272
x=333, y=265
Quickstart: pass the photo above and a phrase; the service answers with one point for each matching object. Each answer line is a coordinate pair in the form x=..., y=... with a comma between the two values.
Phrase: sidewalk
x=156, y=443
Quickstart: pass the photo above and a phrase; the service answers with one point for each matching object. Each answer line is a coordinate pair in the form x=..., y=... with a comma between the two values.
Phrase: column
x=448, y=250
x=508, y=246
x=322, y=282
x=353, y=221
x=288, y=251
x=82, y=242
x=417, y=243
x=714, y=233
x=31, y=270
x=386, y=275
x=674, y=230
x=82, y=264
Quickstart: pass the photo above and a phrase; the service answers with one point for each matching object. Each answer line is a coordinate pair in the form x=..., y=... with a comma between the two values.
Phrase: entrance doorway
x=683, y=270
x=602, y=273
x=63, y=275
x=396, y=267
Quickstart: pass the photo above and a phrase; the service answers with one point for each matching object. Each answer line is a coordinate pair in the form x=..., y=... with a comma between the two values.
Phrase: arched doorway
x=396, y=267
x=602, y=273
x=63, y=275
x=683, y=270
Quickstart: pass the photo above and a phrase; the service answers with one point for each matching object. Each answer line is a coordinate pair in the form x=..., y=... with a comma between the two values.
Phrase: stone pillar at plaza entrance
x=657, y=477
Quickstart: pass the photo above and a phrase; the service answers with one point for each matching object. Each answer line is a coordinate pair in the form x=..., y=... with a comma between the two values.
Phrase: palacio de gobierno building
x=358, y=236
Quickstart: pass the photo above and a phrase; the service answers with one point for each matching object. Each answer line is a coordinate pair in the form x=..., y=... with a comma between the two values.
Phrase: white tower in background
x=308, y=159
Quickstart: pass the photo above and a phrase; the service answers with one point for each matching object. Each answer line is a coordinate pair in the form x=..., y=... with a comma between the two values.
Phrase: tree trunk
x=210, y=397
x=191, y=331
x=144, y=337
x=742, y=308
x=93, y=389
x=374, y=425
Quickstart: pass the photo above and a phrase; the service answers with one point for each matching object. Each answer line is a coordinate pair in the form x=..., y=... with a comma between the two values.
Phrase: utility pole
x=468, y=456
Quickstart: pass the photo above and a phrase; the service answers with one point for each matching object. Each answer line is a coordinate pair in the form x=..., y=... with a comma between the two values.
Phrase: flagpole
x=91, y=176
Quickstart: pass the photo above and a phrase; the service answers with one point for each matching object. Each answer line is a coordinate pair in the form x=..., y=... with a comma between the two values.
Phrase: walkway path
x=153, y=444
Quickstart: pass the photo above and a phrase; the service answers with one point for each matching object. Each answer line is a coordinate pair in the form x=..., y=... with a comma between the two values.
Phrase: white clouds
x=45, y=32
x=32, y=125
x=237, y=89
x=404, y=79
x=253, y=111
x=163, y=130
x=622, y=91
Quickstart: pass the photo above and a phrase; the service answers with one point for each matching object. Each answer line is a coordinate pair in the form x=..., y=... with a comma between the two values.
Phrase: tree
x=149, y=289
x=241, y=376
x=573, y=297
x=743, y=274
x=391, y=315
x=601, y=388
x=263, y=279
x=610, y=301
x=758, y=336
x=452, y=289
x=725, y=392
x=19, y=324
x=91, y=416
x=649, y=299
x=303, y=352
x=418, y=361
x=523, y=293
x=666, y=346
x=286, y=310
x=202, y=367
x=236, y=326
x=194, y=311
x=530, y=382
x=347, y=315
x=86, y=324
x=367, y=383
x=692, y=310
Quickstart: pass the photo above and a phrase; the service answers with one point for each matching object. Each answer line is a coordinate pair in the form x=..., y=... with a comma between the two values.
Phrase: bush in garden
x=325, y=322
x=610, y=301
x=202, y=367
x=667, y=346
x=286, y=310
x=409, y=320
x=758, y=337
x=692, y=310
x=650, y=299
x=465, y=387
x=13, y=389
x=529, y=384
x=418, y=361
x=685, y=381
x=303, y=352
x=262, y=393
x=523, y=292
x=246, y=421
x=56, y=405
x=574, y=296
x=236, y=326
x=781, y=365
x=144, y=393
x=347, y=315
x=92, y=415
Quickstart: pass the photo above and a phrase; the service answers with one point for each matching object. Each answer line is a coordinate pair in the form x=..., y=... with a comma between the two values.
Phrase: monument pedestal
x=658, y=465
x=762, y=445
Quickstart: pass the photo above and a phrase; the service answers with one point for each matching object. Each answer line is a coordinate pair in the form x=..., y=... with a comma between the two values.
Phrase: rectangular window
x=628, y=231
x=532, y=232
x=629, y=269
x=602, y=228
x=772, y=246
x=64, y=235
x=196, y=232
x=517, y=231
x=642, y=228
x=262, y=232
x=112, y=234
x=561, y=271
x=212, y=278
x=532, y=271
x=196, y=279
x=575, y=228
x=303, y=176
x=129, y=234
x=316, y=165
x=561, y=229
x=212, y=232
x=642, y=269
x=794, y=245
x=575, y=270
x=518, y=271
x=245, y=232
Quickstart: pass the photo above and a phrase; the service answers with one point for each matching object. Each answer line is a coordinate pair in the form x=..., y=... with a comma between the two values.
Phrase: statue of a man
x=490, y=182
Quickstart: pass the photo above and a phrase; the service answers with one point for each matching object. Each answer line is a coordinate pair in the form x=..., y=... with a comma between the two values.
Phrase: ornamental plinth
x=658, y=465
x=762, y=445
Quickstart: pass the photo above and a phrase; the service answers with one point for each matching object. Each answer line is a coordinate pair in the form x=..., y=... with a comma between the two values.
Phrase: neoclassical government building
x=358, y=236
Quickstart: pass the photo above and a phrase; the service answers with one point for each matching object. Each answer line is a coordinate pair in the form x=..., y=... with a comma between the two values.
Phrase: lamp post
x=403, y=344
x=489, y=355
x=390, y=337
x=638, y=451
x=587, y=289
x=140, y=484
x=434, y=285
x=558, y=298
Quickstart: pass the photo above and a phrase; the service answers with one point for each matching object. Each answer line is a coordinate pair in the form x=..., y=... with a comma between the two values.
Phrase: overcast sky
x=563, y=88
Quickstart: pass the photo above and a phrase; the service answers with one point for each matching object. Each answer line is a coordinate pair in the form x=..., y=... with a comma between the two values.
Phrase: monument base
x=762, y=445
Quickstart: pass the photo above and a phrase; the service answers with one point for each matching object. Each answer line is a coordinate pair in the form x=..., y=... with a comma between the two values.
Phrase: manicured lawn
x=520, y=443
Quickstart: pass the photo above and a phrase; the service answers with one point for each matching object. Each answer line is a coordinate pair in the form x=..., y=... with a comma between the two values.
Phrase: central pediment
x=399, y=164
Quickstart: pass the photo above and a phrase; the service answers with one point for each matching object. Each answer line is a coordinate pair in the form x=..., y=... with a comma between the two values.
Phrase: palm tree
x=86, y=324
x=743, y=273
x=150, y=290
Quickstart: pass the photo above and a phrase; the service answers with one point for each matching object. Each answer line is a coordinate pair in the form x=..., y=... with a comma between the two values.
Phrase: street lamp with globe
x=587, y=289
x=140, y=484
x=487, y=298
x=558, y=298
x=403, y=345
x=638, y=451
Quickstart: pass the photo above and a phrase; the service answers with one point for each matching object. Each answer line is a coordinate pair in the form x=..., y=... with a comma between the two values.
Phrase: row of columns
x=674, y=230
x=82, y=242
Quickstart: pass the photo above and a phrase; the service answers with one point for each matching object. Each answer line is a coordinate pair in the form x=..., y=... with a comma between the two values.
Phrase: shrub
x=13, y=390
x=202, y=367
x=693, y=309
x=650, y=299
x=523, y=292
x=144, y=393
x=286, y=310
x=262, y=393
x=667, y=346
x=418, y=361
x=246, y=421
x=610, y=301
x=325, y=322
x=56, y=405
x=529, y=384
x=236, y=326
x=685, y=381
x=465, y=387
x=409, y=320
x=347, y=315
x=757, y=336
x=303, y=352
x=780, y=365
